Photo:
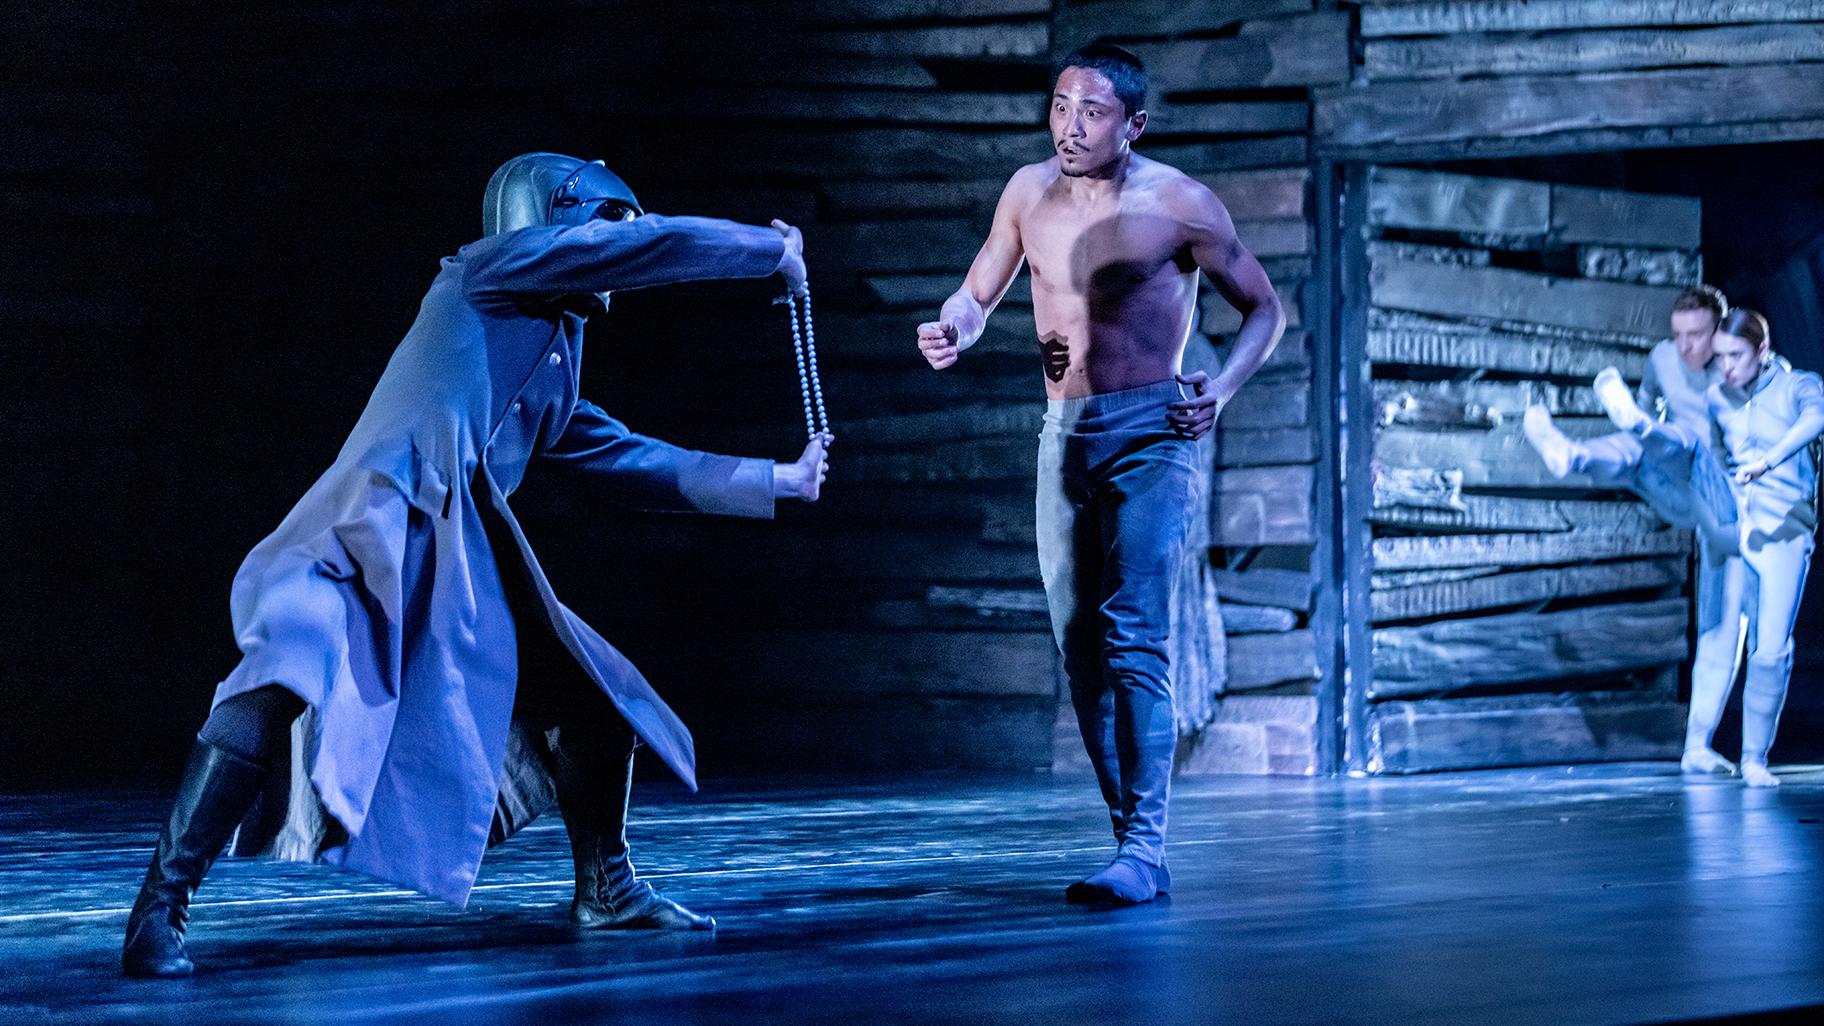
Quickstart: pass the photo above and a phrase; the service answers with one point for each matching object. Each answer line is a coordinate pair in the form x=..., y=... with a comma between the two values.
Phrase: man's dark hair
x=1122, y=69
x=1702, y=297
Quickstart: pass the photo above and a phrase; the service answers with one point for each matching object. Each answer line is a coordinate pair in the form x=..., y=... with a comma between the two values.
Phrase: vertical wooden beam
x=1354, y=438
x=1328, y=621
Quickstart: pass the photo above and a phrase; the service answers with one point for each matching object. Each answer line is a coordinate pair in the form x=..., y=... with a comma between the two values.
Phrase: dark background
x=219, y=221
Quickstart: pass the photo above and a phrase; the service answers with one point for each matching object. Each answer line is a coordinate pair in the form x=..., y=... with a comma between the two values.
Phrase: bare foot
x=1700, y=761
x=1756, y=774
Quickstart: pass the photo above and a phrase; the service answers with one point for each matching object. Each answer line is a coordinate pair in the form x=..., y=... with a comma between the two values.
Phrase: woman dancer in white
x=1763, y=417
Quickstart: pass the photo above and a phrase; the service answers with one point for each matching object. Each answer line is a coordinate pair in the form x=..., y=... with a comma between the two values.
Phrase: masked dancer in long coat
x=411, y=691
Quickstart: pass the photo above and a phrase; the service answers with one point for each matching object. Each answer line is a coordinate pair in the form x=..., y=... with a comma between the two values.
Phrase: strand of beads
x=810, y=383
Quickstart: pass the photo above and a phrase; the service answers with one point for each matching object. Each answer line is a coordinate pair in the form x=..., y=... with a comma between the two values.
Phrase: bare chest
x=1088, y=252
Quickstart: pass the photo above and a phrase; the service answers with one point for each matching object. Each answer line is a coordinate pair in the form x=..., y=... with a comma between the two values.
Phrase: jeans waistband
x=1089, y=412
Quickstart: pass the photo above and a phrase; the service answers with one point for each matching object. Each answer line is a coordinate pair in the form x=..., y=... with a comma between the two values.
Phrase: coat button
x=518, y=407
x=555, y=359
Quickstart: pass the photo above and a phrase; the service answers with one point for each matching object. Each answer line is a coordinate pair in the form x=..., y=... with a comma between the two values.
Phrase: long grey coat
x=379, y=599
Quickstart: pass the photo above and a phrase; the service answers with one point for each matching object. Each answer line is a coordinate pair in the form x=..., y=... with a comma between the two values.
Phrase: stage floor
x=1600, y=894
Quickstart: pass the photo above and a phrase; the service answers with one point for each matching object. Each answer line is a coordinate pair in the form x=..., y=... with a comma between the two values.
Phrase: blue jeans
x=1674, y=471
x=1116, y=489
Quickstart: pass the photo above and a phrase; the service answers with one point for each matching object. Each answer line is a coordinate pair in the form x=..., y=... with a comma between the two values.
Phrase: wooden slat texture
x=1236, y=448
x=1283, y=237
x=930, y=290
x=1288, y=589
x=1496, y=293
x=1311, y=49
x=1256, y=734
x=1409, y=113
x=1421, y=737
x=1266, y=195
x=1262, y=506
x=1515, y=647
x=1462, y=256
x=1436, y=201
x=1197, y=158
x=1440, y=17
x=888, y=152
x=1244, y=619
x=1379, y=317
x=874, y=247
x=1217, y=317
x=1266, y=660
x=1524, y=587
x=1291, y=358
x=1501, y=351
x=1394, y=579
x=1646, y=266
x=1501, y=458
x=975, y=196
x=1423, y=551
x=982, y=460
x=1269, y=405
x=938, y=428
x=848, y=553
x=1507, y=398
x=1273, y=194
x=1626, y=218
x=1467, y=54
x=1240, y=117
x=1083, y=21
x=991, y=40
x=1509, y=514
x=835, y=105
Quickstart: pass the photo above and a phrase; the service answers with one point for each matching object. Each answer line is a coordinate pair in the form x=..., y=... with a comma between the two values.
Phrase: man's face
x=1691, y=332
x=1089, y=126
x=1738, y=359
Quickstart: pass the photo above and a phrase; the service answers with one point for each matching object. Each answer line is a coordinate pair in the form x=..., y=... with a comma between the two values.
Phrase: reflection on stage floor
x=1589, y=894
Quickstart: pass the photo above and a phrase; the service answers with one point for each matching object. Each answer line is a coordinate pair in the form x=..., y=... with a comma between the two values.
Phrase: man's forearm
x=966, y=316
x=1254, y=342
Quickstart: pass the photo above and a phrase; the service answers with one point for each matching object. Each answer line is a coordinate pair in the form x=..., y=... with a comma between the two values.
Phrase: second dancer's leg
x=1780, y=567
x=1721, y=580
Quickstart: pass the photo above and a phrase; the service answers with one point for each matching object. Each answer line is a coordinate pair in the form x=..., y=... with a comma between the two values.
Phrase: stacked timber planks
x=1505, y=602
x=887, y=130
x=1231, y=83
x=1441, y=79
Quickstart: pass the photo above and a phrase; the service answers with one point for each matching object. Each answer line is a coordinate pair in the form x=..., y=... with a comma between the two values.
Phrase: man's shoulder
x=1032, y=178
x=1177, y=190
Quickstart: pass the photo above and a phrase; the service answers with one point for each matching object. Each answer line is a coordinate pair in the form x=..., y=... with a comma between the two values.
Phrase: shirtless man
x=1115, y=241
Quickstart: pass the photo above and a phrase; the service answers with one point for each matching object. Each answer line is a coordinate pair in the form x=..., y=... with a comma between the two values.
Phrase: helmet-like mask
x=543, y=189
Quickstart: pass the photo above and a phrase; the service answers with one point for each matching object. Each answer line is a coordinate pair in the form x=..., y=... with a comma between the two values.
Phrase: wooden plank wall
x=1445, y=78
x=888, y=130
x=1491, y=578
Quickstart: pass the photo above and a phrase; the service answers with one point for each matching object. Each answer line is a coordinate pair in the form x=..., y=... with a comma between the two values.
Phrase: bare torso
x=1114, y=285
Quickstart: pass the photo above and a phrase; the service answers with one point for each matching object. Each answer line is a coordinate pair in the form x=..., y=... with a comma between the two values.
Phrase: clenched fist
x=937, y=341
x=804, y=479
x=791, y=265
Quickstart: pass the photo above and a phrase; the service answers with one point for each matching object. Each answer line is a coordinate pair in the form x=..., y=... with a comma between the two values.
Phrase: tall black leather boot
x=594, y=781
x=217, y=790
